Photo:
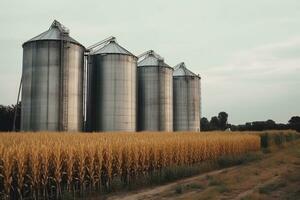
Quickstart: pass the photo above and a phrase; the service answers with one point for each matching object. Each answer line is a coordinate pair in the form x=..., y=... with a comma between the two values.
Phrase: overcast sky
x=246, y=51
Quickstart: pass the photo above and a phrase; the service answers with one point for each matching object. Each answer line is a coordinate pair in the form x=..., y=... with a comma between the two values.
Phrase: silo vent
x=62, y=28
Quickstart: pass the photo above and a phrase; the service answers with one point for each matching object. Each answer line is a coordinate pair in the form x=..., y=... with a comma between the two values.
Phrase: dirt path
x=276, y=176
x=149, y=192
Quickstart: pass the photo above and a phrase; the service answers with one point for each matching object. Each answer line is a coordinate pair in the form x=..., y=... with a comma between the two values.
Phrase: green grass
x=293, y=177
x=222, y=188
x=267, y=189
x=212, y=181
x=178, y=189
x=227, y=161
x=195, y=186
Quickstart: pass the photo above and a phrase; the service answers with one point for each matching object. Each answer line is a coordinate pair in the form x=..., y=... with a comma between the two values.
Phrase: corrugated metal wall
x=112, y=93
x=52, y=88
x=155, y=98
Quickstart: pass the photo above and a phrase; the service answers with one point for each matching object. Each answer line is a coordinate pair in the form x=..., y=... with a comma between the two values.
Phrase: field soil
x=276, y=175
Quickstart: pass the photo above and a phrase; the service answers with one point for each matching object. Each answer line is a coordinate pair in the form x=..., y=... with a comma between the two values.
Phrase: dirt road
x=275, y=176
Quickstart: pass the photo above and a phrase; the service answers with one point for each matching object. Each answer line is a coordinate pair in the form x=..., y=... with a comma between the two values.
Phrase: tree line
x=7, y=117
x=220, y=122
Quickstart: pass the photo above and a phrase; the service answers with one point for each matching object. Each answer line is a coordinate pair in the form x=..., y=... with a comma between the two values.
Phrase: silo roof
x=56, y=32
x=149, y=61
x=113, y=48
x=181, y=70
x=152, y=59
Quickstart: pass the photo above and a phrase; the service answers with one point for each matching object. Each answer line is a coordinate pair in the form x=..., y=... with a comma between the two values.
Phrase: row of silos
x=121, y=94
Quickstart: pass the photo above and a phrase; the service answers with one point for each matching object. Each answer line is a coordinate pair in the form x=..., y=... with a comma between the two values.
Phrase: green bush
x=291, y=137
x=278, y=139
x=264, y=140
x=178, y=189
x=195, y=186
x=269, y=138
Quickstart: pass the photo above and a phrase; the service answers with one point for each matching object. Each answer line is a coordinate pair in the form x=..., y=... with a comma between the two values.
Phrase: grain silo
x=52, y=80
x=155, y=93
x=187, y=97
x=112, y=88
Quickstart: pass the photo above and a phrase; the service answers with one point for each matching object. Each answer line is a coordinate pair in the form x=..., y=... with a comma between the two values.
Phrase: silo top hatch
x=57, y=31
x=181, y=70
x=151, y=58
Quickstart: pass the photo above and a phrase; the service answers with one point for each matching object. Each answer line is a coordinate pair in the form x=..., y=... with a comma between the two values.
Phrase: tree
x=233, y=127
x=204, y=124
x=223, y=120
x=214, y=123
x=294, y=123
x=294, y=120
x=258, y=126
x=248, y=126
x=18, y=116
x=270, y=125
x=7, y=117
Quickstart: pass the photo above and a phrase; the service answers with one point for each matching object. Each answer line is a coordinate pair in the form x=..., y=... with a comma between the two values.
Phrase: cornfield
x=43, y=165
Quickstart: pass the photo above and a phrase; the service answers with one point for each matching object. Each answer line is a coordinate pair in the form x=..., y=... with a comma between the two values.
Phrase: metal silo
x=187, y=99
x=155, y=93
x=52, y=92
x=112, y=89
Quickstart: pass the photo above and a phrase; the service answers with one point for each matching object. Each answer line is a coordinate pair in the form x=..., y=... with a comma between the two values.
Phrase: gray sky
x=246, y=51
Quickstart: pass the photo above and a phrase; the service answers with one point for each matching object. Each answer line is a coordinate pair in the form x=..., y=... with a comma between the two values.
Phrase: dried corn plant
x=43, y=165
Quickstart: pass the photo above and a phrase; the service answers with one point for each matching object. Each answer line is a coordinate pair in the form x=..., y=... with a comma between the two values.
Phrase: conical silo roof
x=181, y=70
x=149, y=61
x=56, y=32
x=152, y=59
x=113, y=48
